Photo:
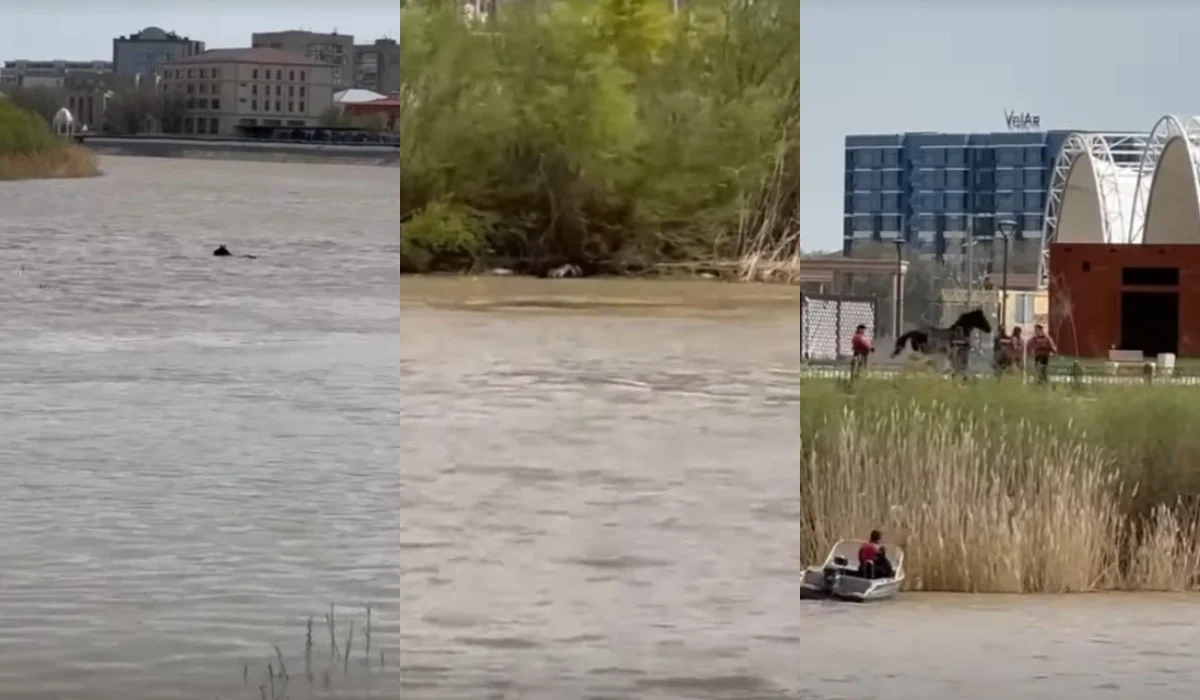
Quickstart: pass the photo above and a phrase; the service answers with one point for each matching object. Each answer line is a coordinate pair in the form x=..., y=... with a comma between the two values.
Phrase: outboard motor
x=833, y=572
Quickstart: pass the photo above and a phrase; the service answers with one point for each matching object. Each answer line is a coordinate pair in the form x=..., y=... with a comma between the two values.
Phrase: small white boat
x=840, y=576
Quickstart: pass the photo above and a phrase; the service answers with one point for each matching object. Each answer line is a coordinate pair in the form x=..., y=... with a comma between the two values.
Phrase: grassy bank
x=29, y=150
x=614, y=135
x=1004, y=487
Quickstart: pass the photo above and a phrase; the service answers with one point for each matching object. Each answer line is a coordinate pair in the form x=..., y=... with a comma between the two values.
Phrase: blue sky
x=909, y=65
x=84, y=31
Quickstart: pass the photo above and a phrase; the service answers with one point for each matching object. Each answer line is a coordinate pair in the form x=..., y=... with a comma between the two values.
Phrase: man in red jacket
x=861, y=348
x=1041, y=346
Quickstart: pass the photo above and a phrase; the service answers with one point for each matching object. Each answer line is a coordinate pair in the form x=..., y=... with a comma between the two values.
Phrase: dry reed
x=65, y=161
x=988, y=492
x=276, y=682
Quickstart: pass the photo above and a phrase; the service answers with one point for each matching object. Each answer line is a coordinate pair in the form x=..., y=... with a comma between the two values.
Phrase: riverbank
x=608, y=295
x=28, y=149
x=60, y=161
x=1005, y=487
x=268, y=151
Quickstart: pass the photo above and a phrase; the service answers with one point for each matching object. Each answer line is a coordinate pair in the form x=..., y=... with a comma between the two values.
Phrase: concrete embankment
x=281, y=152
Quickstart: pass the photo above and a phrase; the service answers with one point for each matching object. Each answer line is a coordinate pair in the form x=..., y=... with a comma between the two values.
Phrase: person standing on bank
x=1041, y=346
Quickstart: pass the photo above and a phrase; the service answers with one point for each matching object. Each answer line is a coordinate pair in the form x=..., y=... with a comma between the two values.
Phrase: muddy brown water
x=584, y=497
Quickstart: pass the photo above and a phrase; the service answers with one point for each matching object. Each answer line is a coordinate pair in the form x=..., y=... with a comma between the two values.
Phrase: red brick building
x=1129, y=297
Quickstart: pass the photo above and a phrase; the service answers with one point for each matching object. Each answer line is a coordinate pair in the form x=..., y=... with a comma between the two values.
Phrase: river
x=546, y=490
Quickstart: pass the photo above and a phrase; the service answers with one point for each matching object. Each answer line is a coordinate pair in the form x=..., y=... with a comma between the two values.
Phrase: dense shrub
x=603, y=132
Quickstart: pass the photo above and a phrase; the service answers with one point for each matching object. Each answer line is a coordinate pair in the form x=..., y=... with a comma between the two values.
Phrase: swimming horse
x=938, y=341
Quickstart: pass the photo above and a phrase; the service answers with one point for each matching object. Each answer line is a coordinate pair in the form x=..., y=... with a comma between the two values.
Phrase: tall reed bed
x=1003, y=487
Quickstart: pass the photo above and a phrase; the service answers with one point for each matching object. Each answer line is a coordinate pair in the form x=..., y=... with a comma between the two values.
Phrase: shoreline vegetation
x=1003, y=487
x=614, y=136
x=623, y=296
x=29, y=150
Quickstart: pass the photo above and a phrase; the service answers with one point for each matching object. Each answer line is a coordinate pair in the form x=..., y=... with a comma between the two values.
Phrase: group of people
x=1012, y=349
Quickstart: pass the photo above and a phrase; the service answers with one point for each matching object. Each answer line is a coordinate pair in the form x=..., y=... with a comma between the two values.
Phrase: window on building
x=937, y=179
x=253, y=89
x=191, y=88
x=935, y=156
x=891, y=202
x=1023, y=308
x=201, y=125
x=1006, y=179
x=254, y=105
x=291, y=106
x=202, y=88
x=302, y=107
x=216, y=73
x=254, y=74
x=291, y=90
x=215, y=89
x=178, y=73
x=278, y=74
x=890, y=179
x=191, y=103
x=291, y=75
x=301, y=76
x=863, y=222
x=214, y=125
x=955, y=222
x=1033, y=223
x=985, y=178
x=955, y=201
x=191, y=73
x=278, y=90
x=891, y=157
x=202, y=103
x=985, y=201
x=1008, y=156
x=278, y=106
x=955, y=179
x=890, y=223
x=1033, y=155
x=956, y=157
x=1006, y=202
x=862, y=159
x=862, y=201
x=216, y=103
x=876, y=201
x=1033, y=201
x=188, y=126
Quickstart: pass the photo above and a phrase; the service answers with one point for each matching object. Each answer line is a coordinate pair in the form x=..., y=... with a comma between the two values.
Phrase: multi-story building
x=228, y=88
x=377, y=66
x=141, y=52
x=335, y=49
x=932, y=189
x=22, y=73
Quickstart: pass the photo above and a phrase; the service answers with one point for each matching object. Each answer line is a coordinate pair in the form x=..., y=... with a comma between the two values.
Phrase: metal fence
x=827, y=324
x=1060, y=376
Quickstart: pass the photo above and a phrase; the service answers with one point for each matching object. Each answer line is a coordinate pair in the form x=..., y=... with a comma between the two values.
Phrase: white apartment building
x=228, y=88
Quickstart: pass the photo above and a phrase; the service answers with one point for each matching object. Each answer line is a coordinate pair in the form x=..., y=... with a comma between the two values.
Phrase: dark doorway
x=1150, y=322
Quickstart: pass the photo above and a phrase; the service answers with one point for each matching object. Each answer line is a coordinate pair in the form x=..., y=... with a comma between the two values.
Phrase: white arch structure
x=1126, y=188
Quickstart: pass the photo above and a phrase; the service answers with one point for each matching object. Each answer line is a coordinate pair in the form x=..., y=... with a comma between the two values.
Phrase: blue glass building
x=930, y=188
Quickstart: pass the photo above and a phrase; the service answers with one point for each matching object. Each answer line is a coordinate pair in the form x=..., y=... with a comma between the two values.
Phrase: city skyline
x=86, y=34
x=938, y=66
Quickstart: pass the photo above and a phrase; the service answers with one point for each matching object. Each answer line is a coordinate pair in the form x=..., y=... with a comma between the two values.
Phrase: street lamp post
x=1006, y=227
x=898, y=317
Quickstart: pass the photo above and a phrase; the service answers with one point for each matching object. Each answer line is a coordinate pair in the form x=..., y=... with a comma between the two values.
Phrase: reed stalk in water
x=999, y=487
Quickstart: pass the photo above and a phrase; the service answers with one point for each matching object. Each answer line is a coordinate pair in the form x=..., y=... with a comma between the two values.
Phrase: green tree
x=611, y=132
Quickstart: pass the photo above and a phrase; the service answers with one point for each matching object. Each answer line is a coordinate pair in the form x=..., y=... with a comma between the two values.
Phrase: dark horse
x=940, y=341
